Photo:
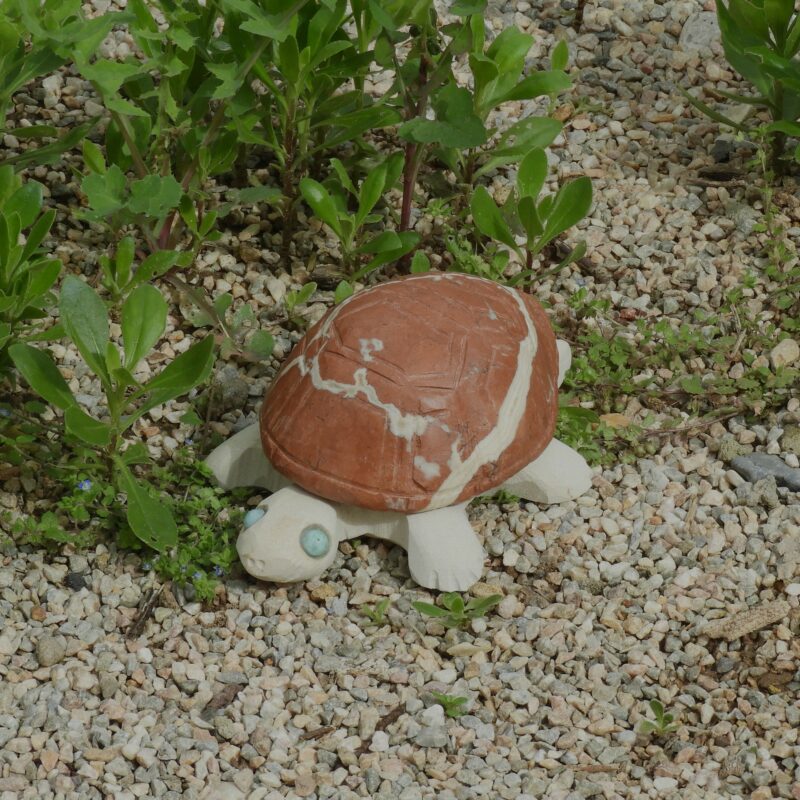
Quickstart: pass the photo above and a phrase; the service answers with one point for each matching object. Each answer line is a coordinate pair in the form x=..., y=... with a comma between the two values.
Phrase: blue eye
x=253, y=516
x=315, y=541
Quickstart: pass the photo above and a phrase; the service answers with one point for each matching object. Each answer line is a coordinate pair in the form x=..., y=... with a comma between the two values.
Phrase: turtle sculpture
x=399, y=406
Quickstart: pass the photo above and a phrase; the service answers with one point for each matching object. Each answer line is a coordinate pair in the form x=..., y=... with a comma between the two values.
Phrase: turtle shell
x=415, y=394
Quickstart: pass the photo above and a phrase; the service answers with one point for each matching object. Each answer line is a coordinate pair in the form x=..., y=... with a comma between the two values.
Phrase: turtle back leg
x=443, y=550
x=558, y=474
x=240, y=461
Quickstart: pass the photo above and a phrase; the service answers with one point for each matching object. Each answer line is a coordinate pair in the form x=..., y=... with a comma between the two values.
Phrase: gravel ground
x=675, y=578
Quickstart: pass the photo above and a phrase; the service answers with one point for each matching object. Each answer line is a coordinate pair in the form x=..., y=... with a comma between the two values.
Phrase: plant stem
x=138, y=161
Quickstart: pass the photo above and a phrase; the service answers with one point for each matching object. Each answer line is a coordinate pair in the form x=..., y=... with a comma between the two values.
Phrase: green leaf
x=420, y=263
x=151, y=520
x=479, y=606
x=466, y=8
x=36, y=234
x=86, y=428
x=321, y=203
x=42, y=375
x=26, y=202
x=571, y=204
x=430, y=610
x=779, y=13
x=50, y=153
x=184, y=373
x=344, y=178
x=42, y=277
x=537, y=85
x=370, y=193
x=93, y=157
x=343, y=291
x=261, y=344
x=105, y=193
x=135, y=454
x=488, y=219
x=144, y=318
x=85, y=319
x=258, y=194
x=156, y=265
x=155, y=196
x=532, y=174
x=456, y=124
x=454, y=602
x=692, y=384
x=560, y=56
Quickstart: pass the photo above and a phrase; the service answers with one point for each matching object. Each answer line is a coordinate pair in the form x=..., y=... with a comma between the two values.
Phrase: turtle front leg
x=443, y=551
x=558, y=474
x=240, y=461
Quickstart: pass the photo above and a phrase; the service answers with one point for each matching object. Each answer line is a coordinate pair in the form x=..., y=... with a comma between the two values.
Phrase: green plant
x=351, y=228
x=292, y=300
x=499, y=76
x=453, y=706
x=308, y=108
x=451, y=122
x=208, y=519
x=26, y=275
x=663, y=724
x=143, y=320
x=454, y=612
x=241, y=332
x=412, y=44
x=783, y=264
x=377, y=615
x=28, y=32
x=172, y=114
x=538, y=221
x=761, y=39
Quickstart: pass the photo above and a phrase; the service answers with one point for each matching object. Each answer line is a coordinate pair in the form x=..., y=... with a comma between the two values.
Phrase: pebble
x=786, y=352
x=50, y=650
x=757, y=466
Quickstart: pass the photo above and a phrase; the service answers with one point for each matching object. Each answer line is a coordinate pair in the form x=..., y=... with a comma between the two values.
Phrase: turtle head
x=291, y=536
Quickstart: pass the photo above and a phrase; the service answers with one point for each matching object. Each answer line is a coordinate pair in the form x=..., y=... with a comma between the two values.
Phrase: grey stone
x=432, y=736
x=108, y=686
x=50, y=650
x=700, y=31
x=725, y=664
x=232, y=677
x=790, y=441
x=729, y=448
x=228, y=391
x=756, y=466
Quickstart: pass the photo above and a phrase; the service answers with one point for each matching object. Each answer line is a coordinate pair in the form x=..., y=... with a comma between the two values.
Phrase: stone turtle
x=399, y=406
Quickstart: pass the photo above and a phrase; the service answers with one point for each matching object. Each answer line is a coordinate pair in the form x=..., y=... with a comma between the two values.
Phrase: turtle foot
x=240, y=461
x=559, y=474
x=443, y=551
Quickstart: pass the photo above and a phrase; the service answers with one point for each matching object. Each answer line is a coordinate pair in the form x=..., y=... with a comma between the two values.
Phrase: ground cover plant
x=761, y=41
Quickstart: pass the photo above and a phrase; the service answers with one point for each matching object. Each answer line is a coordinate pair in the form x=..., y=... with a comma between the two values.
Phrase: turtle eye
x=315, y=541
x=253, y=516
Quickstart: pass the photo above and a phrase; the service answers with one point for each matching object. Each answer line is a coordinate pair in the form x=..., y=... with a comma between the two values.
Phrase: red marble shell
x=395, y=416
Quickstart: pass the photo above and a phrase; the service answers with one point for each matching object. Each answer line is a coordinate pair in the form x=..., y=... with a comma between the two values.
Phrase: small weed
x=377, y=615
x=454, y=613
x=207, y=527
x=294, y=299
x=453, y=706
x=663, y=724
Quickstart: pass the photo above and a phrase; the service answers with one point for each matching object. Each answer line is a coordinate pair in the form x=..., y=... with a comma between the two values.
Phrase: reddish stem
x=409, y=181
